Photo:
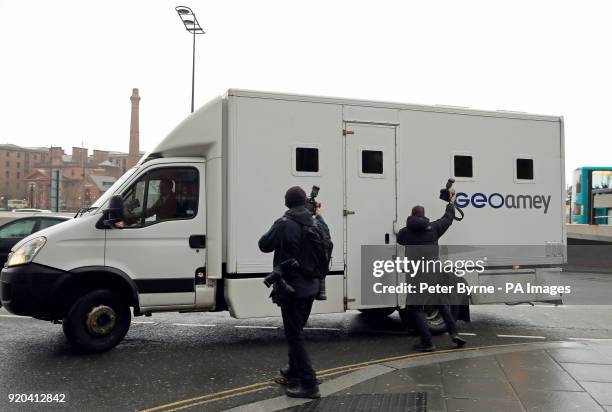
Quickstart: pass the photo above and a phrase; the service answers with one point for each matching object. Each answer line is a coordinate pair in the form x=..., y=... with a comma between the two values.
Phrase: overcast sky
x=67, y=67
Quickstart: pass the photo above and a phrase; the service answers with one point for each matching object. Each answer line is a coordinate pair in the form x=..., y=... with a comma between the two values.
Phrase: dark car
x=15, y=230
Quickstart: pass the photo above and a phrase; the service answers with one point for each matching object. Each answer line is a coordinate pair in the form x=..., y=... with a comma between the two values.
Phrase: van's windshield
x=111, y=190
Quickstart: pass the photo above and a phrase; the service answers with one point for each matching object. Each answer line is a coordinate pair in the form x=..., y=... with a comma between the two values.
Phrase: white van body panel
x=250, y=298
x=494, y=144
x=72, y=244
x=262, y=138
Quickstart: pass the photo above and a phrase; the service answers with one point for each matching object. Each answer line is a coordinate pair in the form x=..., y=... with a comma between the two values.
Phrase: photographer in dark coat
x=285, y=239
x=420, y=231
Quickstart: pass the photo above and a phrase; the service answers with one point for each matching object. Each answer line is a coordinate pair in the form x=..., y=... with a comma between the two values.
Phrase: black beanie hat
x=295, y=196
x=418, y=211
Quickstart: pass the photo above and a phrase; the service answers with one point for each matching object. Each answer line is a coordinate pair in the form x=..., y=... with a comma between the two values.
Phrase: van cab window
x=160, y=195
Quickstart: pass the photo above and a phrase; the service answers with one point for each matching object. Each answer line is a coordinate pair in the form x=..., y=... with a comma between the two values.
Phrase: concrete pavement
x=552, y=376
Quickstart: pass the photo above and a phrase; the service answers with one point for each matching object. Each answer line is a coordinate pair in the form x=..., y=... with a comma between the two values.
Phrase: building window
x=306, y=159
x=18, y=155
x=18, y=165
x=524, y=169
x=18, y=175
x=463, y=166
x=372, y=162
x=8, y=174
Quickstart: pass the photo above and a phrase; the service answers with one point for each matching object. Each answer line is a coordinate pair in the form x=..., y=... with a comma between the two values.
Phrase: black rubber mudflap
x=383, y=402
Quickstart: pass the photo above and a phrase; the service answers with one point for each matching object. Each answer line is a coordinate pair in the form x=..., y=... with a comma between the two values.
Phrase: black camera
x=311, y=202
x=277, y=277
x=445, y=193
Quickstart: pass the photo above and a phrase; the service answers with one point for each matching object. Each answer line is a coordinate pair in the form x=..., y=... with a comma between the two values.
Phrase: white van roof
x=391, y=105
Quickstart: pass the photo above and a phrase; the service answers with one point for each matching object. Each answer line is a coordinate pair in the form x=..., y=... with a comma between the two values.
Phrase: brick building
x=80, y=185
x=16, y=162
x=120, y=160
x=25, y=171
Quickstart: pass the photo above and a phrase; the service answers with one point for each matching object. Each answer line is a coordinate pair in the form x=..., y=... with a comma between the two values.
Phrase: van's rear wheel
x=433, y=317
x=97, y=321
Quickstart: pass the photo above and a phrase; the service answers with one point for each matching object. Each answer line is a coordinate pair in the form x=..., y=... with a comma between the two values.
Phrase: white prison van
x=227, y=166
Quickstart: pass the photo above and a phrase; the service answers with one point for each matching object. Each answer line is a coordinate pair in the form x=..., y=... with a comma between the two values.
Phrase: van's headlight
x=26, y=252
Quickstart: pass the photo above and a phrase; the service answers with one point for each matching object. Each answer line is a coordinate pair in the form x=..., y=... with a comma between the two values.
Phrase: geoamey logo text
x=498, y=200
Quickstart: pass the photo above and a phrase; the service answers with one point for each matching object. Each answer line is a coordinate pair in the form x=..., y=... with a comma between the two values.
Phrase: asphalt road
x=172, y=357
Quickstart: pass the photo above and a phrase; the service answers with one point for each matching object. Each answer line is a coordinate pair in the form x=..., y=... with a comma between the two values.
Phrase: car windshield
x=111, y=190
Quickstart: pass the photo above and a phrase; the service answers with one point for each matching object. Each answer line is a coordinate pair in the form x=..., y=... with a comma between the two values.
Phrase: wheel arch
x=87, y=278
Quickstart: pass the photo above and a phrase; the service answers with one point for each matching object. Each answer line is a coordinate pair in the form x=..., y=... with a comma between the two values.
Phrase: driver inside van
x=166, y=205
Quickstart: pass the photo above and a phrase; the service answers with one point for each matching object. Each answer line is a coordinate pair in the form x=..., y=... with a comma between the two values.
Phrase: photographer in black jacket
x=420, y=231
x=285, y=239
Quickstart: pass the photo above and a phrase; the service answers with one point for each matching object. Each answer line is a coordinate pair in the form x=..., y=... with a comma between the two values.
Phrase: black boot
x=286, y=379
x=301, y=391
x=458, y=341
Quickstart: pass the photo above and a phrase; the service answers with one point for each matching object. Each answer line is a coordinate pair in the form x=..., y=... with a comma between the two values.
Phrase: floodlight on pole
x=192, y=25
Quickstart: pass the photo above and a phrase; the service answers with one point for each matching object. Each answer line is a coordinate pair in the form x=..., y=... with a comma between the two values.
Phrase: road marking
x=521, y=336
x=231, y=395
x=255, y=327
x=194, y=324
x=322, y=329
x=143, y=322
x=15, y=316
x=593, y=339
x=467, y=334
x=187, y=403
x=212, y=397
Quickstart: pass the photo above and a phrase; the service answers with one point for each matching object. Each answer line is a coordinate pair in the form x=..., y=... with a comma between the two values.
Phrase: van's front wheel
x=97, y=321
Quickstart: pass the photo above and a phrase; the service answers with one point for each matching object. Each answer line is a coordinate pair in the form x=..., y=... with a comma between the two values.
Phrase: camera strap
x=458, y=219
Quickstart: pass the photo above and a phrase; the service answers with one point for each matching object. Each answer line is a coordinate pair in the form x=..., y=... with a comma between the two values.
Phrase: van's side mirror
x=113, y=214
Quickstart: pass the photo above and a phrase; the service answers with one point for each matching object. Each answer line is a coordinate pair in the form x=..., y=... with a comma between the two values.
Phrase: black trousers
x=295, y=315
x=420, y=321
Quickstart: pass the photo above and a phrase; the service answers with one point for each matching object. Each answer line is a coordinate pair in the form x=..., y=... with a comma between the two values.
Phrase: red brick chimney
x=134, y=154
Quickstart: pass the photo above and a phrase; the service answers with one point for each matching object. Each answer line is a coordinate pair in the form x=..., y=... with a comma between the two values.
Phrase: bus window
x=601, y=179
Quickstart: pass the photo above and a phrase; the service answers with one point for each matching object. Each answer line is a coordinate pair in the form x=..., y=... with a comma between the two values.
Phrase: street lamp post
x=192, y=26
x=32, y=185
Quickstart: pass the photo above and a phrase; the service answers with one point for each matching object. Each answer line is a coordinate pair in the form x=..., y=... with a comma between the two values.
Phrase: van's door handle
x=197, y=241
